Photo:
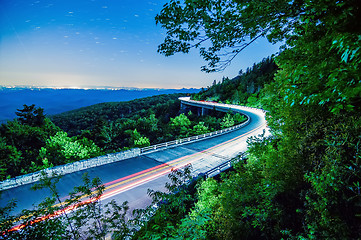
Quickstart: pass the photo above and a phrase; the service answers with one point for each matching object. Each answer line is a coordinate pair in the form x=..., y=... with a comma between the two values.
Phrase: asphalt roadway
x=129, y=180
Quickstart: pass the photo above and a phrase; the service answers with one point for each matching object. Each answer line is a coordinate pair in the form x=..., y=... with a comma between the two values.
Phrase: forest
x=243, y=89
x=302, y=182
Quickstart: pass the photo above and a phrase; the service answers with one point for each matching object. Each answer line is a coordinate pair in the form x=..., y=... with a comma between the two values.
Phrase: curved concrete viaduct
x=129, y=179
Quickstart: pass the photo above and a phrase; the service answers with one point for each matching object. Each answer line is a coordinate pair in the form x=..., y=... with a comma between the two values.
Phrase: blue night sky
x=90, y=43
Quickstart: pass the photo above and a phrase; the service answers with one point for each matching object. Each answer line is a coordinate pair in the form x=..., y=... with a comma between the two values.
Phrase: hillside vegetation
x=74, y=122
x=245, y=89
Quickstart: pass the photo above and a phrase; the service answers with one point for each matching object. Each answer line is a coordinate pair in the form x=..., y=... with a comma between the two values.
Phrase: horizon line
x=90, y=87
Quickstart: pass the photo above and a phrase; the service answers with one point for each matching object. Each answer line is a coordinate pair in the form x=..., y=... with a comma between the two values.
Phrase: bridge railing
x=193, y=138
x=202, y=136
x=224, y=166
x=215, y=104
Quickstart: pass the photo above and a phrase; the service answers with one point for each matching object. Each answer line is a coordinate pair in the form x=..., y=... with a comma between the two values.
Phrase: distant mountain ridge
x=58, y=100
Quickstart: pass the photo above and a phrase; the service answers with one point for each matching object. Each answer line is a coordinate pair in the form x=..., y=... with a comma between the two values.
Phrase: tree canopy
x=30, y=115
x=221, y=29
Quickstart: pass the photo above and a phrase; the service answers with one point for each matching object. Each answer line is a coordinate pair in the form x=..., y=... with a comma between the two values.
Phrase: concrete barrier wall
x=70, y=167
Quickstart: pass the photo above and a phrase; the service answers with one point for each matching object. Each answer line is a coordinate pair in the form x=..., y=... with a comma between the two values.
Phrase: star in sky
x=97, y=43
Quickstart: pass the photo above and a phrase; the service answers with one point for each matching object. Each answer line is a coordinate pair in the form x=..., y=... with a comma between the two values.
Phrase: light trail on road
x=126, y=183
x=162, y=169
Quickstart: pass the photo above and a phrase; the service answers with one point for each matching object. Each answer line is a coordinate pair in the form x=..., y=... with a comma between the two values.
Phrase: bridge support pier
x=196, y=108
x=202, y=111
x=183, y=106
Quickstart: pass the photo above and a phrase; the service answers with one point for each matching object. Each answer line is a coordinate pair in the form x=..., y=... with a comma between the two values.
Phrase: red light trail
x=133, y=180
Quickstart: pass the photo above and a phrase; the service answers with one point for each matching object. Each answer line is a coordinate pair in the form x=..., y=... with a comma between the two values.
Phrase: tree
x=61, y=149
x=148, y=125
x=172, y=206
x=52, y=219
x=222, y=29
x=180, y=124
x=238, y=89
x=227, y=121
x=22, y=143
x=30, y=115
x=141, y=142
x=10, y=160
x=136, y=139
x=226, y=26
x=199, y=129
x=197, y=224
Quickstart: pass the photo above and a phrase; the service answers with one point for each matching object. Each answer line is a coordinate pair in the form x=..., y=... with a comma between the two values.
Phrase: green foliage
x=89, y=220
x=162, y=106
x=197, y=224
x=239, y=118
x=245, y=89
x=333, y=201
x=20, y=144
x=157, y=119
x=199, y=129
x=31, y=116
x=303, y=182
x=138, y=140
x=10, y=159
x=61, y=149
x=148, y=126
x=180, y=125
x=33, y=142
x=142, y=142
x=227, y=121
x=173, y=205
x=221, y=30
